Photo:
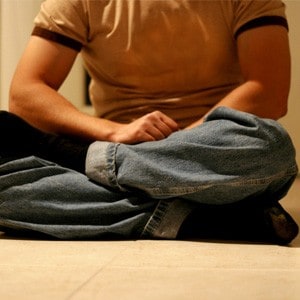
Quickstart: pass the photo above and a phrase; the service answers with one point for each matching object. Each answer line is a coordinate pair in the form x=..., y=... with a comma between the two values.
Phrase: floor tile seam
x=204, y=268
x=87, y=281
x=49, y=266
x=183, y=268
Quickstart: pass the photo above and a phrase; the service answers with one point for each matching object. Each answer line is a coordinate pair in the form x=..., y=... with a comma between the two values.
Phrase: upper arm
x=265, y=60
x=45, y=62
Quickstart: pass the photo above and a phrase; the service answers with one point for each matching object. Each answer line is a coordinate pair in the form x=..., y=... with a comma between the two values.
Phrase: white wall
x=16, y=25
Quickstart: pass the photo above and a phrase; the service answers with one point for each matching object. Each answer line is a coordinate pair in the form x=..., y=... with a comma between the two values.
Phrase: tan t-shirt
x=176, y=56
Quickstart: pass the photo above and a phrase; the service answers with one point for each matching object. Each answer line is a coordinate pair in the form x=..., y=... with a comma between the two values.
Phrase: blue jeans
x=147, y=190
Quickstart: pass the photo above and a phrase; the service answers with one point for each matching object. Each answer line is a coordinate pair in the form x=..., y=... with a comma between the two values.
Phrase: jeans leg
x=20, y=140
x=40, y=196
x=230, y=157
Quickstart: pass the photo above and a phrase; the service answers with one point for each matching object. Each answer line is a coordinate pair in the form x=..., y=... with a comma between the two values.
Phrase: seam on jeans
x=167, y=219
x=96, y=168
x=111, y=167
x=170, y=191
x=155, y=219
x=101, y=164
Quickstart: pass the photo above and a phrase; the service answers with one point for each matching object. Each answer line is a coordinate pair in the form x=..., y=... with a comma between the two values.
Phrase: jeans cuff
x=167, y=219
x=96, y=163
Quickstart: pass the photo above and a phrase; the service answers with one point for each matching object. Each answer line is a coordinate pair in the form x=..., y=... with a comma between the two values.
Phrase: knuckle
x=155, y=114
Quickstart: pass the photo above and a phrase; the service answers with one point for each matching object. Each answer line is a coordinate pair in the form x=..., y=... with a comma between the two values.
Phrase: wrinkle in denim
x=40, y=196
x=232, y=156
x=147, y=190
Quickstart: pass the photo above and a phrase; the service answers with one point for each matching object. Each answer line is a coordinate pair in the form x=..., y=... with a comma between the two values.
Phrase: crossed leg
x=230, y=158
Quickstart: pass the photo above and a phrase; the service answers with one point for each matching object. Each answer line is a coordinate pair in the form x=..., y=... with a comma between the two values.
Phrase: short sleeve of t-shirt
x=249, y=14
x=65, y=22
x=68, y=21
x=137, y=55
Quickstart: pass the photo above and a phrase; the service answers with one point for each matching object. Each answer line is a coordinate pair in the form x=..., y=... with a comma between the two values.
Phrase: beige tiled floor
x=35, y=269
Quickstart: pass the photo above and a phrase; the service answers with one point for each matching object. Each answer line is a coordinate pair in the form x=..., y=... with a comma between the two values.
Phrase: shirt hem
x=57, y=38
x=262, y=21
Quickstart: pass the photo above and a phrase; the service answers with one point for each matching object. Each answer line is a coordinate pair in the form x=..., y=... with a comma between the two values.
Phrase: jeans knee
x=280, y=141
x=266, y=140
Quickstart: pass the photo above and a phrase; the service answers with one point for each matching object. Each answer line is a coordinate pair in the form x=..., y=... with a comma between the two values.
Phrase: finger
x=170, y=123
x=164, y=128
x=162, y=118
x=155, y=133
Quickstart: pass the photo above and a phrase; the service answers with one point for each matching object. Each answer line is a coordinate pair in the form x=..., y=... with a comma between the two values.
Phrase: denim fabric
x=232, y=156
x=41, y=196
x=150, y=187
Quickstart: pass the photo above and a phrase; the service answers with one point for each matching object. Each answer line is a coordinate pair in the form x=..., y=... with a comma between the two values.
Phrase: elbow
x=280, y=104
x=277, y=110
x=278, y=114
x=17, y=99
x=14, y=100
x=281, y=113
x=274, y=100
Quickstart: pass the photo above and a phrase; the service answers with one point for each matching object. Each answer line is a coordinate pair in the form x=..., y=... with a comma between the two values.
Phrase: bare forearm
x=254, y=98
x=47, y=110
x=266, y=73
x=44, y=108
